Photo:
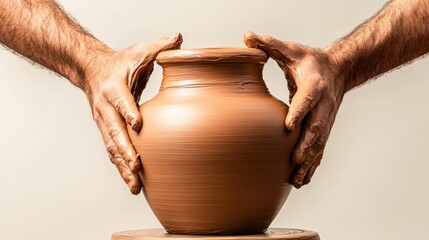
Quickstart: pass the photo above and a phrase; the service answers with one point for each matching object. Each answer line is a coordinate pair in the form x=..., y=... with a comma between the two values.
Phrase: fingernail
x=132, y=122
x=136, y=164
x=249, y=34
x=251, y=39
x=291, y=123
x=135, y=190
x=133, y=185
x=135, y=124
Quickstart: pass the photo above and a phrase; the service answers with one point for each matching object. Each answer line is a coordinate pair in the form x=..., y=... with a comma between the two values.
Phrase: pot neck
x=221, y=76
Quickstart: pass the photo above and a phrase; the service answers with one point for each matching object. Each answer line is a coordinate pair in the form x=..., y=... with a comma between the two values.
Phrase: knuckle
x=114, y=132
x=97, y=107
x=119, y=105
x=109, y=90
x=130, y=115
x=315, y=128
x=300, y=153
x=105, y=89
x=317, y=148
x=269, y=39
x=323, y=138
x=97, y=117
x=305, y=166
x=128, y=177
x=117, y=160
x=321, y=155
x=111, y=150
x=298, y=156
x=316, y=164
x=313, y=168
x=330, y=97
x=114, y=160
x=308, y=101
x=300, y=175
x=323, y=85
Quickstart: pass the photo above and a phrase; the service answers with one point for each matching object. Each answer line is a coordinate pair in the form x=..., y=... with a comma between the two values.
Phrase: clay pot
x=214, y=147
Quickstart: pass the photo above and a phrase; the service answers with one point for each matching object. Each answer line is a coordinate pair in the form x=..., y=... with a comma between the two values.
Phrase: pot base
x=271, y=233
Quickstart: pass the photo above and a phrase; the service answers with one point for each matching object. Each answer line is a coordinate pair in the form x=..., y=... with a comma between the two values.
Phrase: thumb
x=164, y=44
x=281, y=51
x=302, y=103
x=141, y=70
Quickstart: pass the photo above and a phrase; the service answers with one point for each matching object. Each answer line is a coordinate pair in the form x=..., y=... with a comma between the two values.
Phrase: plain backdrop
x=56, y=181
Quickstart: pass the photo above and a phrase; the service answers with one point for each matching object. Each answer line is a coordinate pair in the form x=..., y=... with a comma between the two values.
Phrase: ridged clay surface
x=214, y=148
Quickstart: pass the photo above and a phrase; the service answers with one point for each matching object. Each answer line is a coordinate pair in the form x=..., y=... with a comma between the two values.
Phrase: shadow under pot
x=214, y=147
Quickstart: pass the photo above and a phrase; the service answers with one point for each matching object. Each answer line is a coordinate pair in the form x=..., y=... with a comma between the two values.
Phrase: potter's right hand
x=316, y=91
x=113, y=87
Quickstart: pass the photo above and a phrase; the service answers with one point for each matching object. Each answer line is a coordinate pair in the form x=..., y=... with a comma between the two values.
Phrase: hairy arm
x=397, y=34
x=41, y=31
x=319, y=78
x=112, y=80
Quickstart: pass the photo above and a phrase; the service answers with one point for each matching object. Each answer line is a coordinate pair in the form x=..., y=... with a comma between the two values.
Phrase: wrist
x=89, y=63
x=341, y=68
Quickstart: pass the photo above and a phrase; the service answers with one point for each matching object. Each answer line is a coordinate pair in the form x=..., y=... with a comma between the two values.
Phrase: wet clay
x=272, y=233
x=214, y=147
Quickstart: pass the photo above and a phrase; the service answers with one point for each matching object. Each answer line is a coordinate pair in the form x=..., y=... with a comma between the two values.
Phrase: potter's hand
x=113, y=105
x=315, y=95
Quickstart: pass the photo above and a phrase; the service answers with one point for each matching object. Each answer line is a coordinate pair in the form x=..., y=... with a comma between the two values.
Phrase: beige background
x=57, y=183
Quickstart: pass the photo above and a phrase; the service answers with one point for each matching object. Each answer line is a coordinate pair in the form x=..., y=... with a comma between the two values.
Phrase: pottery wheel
x=271, y=234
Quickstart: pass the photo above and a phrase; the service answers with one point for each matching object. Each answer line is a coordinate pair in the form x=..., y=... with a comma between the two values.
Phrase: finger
x=309, y=135
x=142, y=68
x=124, y=103
x=314, y=133
x=164, y=44
x=151, y=50
x=310, y=159
x=118, y=133
x=282, y=51
x=312, y=141
x=301, y=171
x=302, y=103
x=132, y=180
x=312, y=169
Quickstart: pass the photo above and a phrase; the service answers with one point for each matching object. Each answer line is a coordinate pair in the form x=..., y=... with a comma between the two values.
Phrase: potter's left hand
x=113, y=87
x=315, y=92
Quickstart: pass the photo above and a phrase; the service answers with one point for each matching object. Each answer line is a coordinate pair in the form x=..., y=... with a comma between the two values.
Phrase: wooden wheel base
x=270, y=234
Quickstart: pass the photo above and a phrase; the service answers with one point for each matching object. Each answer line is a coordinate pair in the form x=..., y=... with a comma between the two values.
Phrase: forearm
x=41, y=31
x=396, y=35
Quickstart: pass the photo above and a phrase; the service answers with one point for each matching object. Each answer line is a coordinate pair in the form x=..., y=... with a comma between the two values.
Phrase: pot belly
x=210, y=174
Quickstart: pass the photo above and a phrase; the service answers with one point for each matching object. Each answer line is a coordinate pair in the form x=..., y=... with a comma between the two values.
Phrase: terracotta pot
x=214, y=148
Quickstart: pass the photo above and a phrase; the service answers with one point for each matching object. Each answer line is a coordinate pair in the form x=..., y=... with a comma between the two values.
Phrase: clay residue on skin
x=214, y=148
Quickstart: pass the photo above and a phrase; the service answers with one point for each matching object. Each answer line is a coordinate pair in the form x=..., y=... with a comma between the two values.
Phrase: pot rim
x=213, y=55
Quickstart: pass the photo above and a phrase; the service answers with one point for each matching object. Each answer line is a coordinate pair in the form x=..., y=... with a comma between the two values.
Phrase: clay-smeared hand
x=315, y=93
x=113, y=87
